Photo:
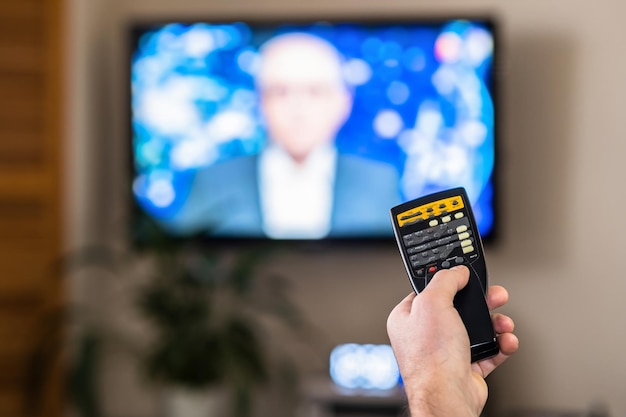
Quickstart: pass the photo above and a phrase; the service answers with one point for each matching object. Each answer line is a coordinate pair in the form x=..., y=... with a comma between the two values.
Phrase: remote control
x=436, y=232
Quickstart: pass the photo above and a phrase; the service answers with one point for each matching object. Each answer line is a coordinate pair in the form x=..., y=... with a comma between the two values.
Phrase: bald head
x=299, y=57
x=303, y=95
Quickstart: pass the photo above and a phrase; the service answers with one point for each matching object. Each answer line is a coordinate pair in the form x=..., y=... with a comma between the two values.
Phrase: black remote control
x=438, y=231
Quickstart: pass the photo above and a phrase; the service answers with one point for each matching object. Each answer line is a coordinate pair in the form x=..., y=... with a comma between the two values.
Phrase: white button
x=458, y=215
x=468, y=249
x=446, y=219
x=461, y=229
x=433, y=223
x=464, y=236
x=466, y=243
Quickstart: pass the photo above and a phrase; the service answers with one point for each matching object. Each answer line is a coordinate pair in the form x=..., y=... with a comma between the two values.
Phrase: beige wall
x=563, y=139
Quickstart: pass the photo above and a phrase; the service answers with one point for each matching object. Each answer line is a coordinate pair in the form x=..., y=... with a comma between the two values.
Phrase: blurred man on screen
x=299, y=187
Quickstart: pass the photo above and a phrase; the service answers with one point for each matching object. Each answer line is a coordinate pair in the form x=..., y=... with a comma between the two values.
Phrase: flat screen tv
x=247, y=130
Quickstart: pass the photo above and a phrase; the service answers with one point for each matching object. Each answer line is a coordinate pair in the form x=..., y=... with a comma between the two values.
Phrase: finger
x=403, y=308
x=448, y=281
x=508, y=345
x=502, y=323
x=497, y=296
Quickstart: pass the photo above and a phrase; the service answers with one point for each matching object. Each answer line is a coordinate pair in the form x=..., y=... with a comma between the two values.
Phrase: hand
x=431, y=345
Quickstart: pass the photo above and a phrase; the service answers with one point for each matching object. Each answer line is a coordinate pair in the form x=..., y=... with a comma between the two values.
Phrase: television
x=293, y=130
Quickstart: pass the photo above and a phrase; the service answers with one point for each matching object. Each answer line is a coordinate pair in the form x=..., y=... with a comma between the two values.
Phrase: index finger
x=448, y=282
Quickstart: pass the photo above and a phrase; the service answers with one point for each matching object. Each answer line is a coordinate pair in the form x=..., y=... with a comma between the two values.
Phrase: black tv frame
x=144, y=233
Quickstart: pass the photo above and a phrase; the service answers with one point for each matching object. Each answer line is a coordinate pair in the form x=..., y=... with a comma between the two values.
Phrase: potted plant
x=208, y=311
x=208, y=308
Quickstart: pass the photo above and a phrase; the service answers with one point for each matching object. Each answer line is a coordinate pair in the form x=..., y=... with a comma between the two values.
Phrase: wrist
x=433, y=397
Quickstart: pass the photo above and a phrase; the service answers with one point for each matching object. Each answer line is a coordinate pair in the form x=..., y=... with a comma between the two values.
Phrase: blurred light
x=398, y=92
x=388, y=124
x=429, y=119
x=479, y=45
x=249, y=61
x=391, y=63
x=151, y=151
x=357, y=72
x=158, y=189
x=444, y=80
x=372, y=49
x=414, y=59
x=473, y=133
x=230, y=124
x=193, y=153
x=368, y=366
x=448, y=47
x=198, y=43
x=226, y=36
x=244, y=100
x=166, y=110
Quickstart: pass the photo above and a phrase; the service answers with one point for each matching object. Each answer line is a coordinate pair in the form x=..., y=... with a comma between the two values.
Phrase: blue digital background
x=422, y=102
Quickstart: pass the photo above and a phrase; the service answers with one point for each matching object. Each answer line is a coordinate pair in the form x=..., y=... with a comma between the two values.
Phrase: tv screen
x=308, y=130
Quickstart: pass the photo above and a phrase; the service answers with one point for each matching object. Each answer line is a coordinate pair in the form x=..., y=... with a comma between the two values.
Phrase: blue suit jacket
x=224, y=199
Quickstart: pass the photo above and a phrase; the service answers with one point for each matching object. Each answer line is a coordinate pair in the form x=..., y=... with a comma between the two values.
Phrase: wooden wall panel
x=31, y=121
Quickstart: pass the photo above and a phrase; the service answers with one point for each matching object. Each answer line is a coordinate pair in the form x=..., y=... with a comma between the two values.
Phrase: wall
x=562, y=227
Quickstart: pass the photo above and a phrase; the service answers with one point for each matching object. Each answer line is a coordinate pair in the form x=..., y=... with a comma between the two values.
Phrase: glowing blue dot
x=357, y=72
x=414, y=59
x=198, y=43
x=249, y=61
x=398, y=92
x=388, y=124
x=161, y=193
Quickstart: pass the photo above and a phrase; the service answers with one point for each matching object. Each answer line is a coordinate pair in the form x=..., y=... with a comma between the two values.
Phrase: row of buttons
x=444, y=265
x=438, y=253
x=439, y=241
x=436, y=232
x=429, y=211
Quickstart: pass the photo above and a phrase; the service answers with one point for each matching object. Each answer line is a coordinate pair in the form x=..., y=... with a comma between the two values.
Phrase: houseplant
x=208, y=310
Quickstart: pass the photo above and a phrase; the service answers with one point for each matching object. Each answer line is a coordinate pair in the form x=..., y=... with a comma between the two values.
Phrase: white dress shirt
x=297, y=199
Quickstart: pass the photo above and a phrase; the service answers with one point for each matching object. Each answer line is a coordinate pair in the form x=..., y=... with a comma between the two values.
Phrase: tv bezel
x=136, y=27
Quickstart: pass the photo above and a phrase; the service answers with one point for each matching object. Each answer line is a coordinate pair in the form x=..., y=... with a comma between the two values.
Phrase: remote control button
x=458, y=260
x=420, y=272
x=432, y=269
x=433, y=223
x=429, y=210
x=468, y=249
x=445, y=264
x=458, y=215
x=442, y=206
x=446, y=219
x=465, y=243
x=461, y=229
x=414, y=221
x=464, y=236
x=417, y=249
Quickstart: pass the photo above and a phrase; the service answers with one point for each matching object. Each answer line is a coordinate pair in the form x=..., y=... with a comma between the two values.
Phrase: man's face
x=303, y=97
